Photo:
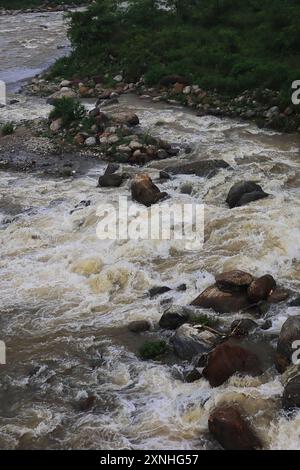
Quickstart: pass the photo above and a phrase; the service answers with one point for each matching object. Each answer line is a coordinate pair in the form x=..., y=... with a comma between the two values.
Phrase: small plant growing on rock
x=68, y=109
x=153, y=349
x=7, y=128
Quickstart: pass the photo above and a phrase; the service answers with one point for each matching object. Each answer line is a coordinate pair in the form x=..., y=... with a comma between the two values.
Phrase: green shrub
x=7, y=128
x=68, y=109
x=230, y=45
x=152, y=349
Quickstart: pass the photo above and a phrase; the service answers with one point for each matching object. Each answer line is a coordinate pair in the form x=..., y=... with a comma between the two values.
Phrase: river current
x=66, y=296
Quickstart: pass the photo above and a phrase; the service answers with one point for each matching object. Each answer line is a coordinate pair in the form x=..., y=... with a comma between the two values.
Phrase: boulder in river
x=233, y=281
x=242, y=326
x=290, y=332
x=220, y=301
x=144, y=191
x=173, y=317
x=158, y=290
x=227, y=359
x=202, y=168
x=261, y=288
x=291, y=394
x=189, y=342
x=244, y=192
x=110, y=180
x=231, y=430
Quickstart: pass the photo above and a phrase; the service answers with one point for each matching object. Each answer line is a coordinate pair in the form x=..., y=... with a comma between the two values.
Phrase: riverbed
x=67, y=297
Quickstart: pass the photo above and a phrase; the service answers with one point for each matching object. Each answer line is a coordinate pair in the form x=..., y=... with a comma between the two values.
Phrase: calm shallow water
x=67, y=296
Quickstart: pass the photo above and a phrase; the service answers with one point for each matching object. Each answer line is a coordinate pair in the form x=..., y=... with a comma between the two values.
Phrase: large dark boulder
x=261, y=288
x=291, y=394
x=173, y=317
x=188, y=342
x=227, y=359
x=290, y=332
x=231, y=430
x=233, y=281
x=110, y=181
x=220, y=301
x=202, y=168
x=244, y=192
x=144, y=191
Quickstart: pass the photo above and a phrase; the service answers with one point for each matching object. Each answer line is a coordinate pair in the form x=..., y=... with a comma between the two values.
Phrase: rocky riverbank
x=263, y=107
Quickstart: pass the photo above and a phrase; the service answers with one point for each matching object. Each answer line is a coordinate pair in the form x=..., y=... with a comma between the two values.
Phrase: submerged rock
x=144, y=191
x=290, y=332
x=291, y=394
x=244, y=192
x=202, y=168
x=227, y=359
x=220, y=301
x=188, y=342
x=231, y=430
x=233, y=281
x=158, y=290
x=261, y=288
x=139, y=326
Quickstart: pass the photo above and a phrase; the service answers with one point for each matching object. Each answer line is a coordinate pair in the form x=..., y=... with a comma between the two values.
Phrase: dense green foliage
x=68, y=109
x=20, y=4
x=230, y=45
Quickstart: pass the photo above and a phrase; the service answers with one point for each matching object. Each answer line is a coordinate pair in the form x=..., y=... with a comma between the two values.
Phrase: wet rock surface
x=231, y=430
x=144, y=191
x=227, y=359
x=290, y=332
x=244, y=192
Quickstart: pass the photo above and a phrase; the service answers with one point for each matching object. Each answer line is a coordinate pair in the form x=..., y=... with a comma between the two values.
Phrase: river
x=66, y=296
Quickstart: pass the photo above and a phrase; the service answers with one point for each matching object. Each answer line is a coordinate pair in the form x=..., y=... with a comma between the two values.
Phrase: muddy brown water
x=66, y=296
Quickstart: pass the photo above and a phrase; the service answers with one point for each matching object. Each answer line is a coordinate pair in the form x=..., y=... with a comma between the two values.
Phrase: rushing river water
x=66, y=296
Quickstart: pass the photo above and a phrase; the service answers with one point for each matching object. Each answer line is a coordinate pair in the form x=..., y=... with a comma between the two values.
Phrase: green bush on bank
x=223, y=44
x=68, y=109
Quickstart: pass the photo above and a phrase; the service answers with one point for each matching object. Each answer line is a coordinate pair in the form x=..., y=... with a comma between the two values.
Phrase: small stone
x=90, y=141
x=118, y=78
x=65, y=83
x=56, y=125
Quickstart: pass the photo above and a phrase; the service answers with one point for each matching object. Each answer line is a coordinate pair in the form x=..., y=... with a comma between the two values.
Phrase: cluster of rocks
x=261, y=106
x=218, y=354
x=113, y=136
